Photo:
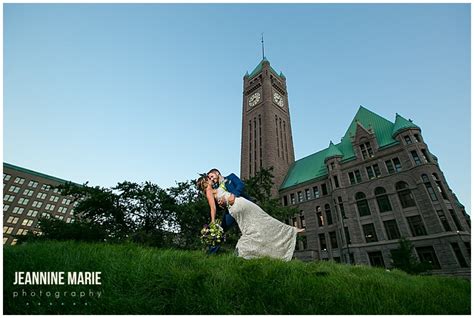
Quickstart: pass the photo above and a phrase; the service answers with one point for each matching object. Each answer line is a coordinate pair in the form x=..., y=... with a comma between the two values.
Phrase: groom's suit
x=234, y=185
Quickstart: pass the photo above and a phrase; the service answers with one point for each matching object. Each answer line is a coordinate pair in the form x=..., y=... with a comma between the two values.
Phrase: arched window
x=404, y=194
x=382, y=200
x=319, y=215
x=429, y=187
x=327, y=210
x=362, y=204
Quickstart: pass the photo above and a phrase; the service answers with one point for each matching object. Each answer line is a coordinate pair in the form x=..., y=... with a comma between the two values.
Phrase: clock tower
x=267, y=140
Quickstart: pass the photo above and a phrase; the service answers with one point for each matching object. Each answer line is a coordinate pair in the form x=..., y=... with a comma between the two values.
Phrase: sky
x=153, y=92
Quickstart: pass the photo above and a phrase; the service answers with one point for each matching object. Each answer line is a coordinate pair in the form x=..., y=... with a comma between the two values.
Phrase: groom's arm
x=239, y=185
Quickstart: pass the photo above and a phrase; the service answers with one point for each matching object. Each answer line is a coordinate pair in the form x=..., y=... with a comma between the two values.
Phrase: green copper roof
x=402, y=124
x=313, y=167
x=42, y=175
x=333, y=151
x=259, y=67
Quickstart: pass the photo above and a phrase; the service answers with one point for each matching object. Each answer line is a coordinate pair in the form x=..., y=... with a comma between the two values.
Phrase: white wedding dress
x=262, y=235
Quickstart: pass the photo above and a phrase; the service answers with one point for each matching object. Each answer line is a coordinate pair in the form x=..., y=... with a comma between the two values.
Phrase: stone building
x=358, y=197
x=27, y=196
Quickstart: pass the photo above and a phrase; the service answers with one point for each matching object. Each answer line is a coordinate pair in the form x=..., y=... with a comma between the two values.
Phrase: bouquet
x=212, y=234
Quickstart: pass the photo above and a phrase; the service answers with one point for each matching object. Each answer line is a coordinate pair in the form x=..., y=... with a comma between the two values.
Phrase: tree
x=259, y=187
x=404, y=259
x=100, y=206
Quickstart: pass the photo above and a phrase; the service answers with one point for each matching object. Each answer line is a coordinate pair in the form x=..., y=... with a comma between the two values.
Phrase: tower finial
x=263, y=48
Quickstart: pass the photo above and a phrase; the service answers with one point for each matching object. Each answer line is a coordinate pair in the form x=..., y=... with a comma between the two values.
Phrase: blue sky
x=107, y=93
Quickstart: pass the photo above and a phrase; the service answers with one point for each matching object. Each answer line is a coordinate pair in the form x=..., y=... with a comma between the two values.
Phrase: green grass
x=140, y=280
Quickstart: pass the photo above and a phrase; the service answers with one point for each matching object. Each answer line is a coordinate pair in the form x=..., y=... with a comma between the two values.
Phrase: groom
x=232, y=184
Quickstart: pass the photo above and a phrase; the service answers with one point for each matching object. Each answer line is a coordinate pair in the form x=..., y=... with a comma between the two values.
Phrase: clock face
x=254, y=99
x=278, y=99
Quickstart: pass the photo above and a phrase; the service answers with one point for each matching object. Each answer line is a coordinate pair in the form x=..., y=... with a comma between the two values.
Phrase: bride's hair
x=202, y=183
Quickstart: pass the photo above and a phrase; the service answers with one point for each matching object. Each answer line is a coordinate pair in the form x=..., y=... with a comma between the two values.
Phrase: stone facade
x=358, y=210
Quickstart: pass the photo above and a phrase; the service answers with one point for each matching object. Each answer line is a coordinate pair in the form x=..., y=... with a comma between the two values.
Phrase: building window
x=23, y=201
x=27, y=222
x=19, y=180
x=404, y=195
x=376, y=259
x=300, y=196
x=5, y=207
x=18, y=210
x=14, y=189
x=62, y=209
x=316, y=192
x=417, y=160
x=369, y=233
x=66, y=201
x=382, y=199
x=295, y=221
x=32, y=213
x=6, y=177
x=425, y=155
x=307, y=194
x=322, y=242
x=41, y=195
x=366, y=150
x=54, y=198
x=319, y=215
x=324, y=189
x=13, y=220
x=355, y=177
x=336, y=182
x=397, y=164
x=439, y=186
x=49, y=207
x=373, y=171
x=46, y=187
x=28, y=192
x=5, y=239
x=407, y=139
x=427, y=254
x=37, y=204
x=456, y=220
x=32, y=184
x=417, y=138
x=391, y=228
x=417, y=227
x=8, y=198
x=468, y=247
x=7, y=229
x=444, y=220
x=327, y=210
x=292, y=198
x=333, y=239
x=302, y=220
x=285, y=200
x=457, y=251
x=429, y=188
x=362, y=204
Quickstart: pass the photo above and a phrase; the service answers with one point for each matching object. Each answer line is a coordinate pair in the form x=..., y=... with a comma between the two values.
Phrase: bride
x=262, y=235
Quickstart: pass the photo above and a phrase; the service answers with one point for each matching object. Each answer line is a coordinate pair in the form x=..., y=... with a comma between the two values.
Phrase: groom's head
x=214, y=175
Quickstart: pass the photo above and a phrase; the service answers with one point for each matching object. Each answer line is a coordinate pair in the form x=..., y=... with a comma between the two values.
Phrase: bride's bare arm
x=212, y=202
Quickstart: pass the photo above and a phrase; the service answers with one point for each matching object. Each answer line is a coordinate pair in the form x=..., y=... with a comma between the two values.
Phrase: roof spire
x=263, y=48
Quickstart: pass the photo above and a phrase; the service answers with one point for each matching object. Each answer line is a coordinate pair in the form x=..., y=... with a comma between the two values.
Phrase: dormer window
x=366, y=150
x=407, y=139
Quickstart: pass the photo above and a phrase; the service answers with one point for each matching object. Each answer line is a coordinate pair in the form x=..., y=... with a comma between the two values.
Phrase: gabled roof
x=259, y=67
x=313, y=167
x=402, y=124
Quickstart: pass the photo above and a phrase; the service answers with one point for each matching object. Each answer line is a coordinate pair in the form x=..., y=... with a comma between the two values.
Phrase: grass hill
x=140, y=280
